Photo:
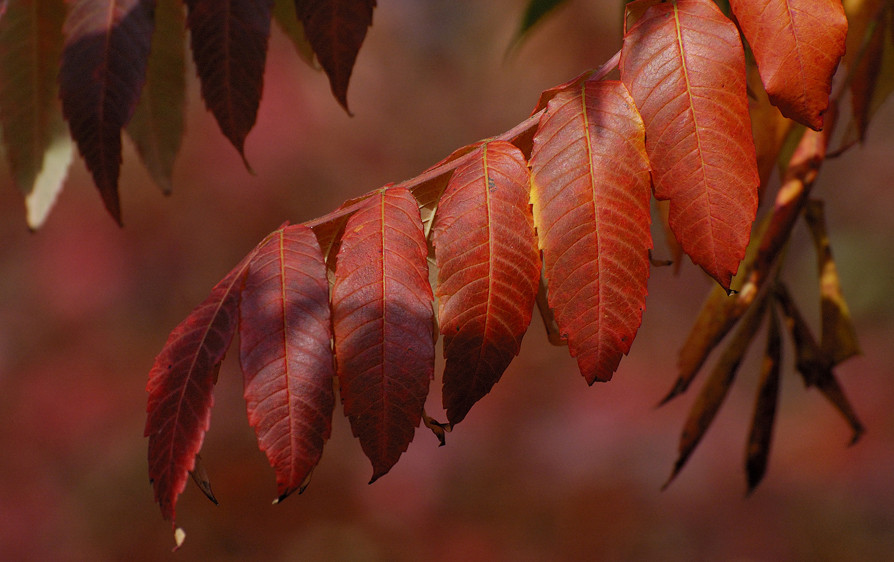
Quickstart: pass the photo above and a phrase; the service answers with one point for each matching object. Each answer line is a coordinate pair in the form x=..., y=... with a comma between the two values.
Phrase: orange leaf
x=383, y=324
x=285, y=352
x=684, y=66
x=590, y=191
x=797, y=45
x=488, y=272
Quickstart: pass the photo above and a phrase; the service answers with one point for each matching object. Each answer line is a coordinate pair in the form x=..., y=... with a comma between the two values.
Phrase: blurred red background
x=543, y=468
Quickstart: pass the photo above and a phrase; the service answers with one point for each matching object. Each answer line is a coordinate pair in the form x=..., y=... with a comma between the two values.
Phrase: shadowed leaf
x=180, y=383
x=760, y=437
x=285, y=16
x=684, y=66
x=383, y=324
x=488, y=272
x=797, y=45
x=590, y=194
x=101, y=75
x=717, y=386
x=535, y=12
x=229, y=47
x=336, y=30
x=870, y=61
x=157, y=124
x=287, y=364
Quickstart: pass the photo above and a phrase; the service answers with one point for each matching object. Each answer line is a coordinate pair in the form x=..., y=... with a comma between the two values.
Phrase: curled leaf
x=760, y=436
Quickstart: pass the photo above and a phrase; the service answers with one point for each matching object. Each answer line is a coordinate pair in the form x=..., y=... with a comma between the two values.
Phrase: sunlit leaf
x=684, y=66
x=102, y=73
x=48, y=183
x=760, y=437
x=709, y=400
x=797, y=44
x=157, y=124
x=488, y=272
x=590, y=193
x=229, y=46
x=336, y=30
x=383, y=324
x=287, y=363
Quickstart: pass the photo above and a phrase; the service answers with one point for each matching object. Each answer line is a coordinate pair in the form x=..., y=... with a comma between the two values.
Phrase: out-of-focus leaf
x=684, y=66
x=488, y=272
x=838, y=340
x=383, y=324
x=180, y=384
x=760, y=437
x=285, y=352
x=634, y=10
x=30, y=116
x=718, y=384
x=157, y=124
x=590, y=193
x=336, y=30
x=797, y=45
x=48, y=183
x=100, y=79
x=769, y=128
x=229, y=47
x=815, y=367
x=285, y=16
x=535, y=12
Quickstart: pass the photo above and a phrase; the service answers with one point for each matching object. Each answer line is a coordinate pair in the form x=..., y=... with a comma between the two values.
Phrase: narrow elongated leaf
x=30, y=116
x=382, y=322
x=761, y=434
x=590, y=192
x=813, y=365
x=336, y=30
x=157, y=124
x=48, y=183
x=229, y=47
x=488, y=272
x=870, y=61
x=180, y=383
x=797, y=45
x=102, y=73
x=684, y=66
x=284, y=333
x=838, y=339
x=717, y=386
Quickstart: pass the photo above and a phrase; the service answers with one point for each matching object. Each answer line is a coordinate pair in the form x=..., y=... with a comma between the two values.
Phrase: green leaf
x=157, y=124
x=287, y=20
x=536, y=12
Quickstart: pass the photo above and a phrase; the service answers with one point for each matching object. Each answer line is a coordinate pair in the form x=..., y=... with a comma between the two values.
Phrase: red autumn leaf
x=590, y=191
x=488, y=272
x=180, y=383
x=684, y=66
x=102, y=73
x=285, y=352
x=382, y=322
x=336, y=30
x=797, y=45
x=229, y=47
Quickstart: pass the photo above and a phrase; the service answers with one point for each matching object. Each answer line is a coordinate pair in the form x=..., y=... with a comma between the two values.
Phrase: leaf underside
x=684, y=66
x=229, y=46
x=101, y=75
x=336, y=30
x=285, y=353
x=488, y=272
x=382, y=323
x=797, y=45
x=590, y=191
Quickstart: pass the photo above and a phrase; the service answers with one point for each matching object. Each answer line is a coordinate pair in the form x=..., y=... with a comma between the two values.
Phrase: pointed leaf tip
x=589, y=169
x=684, y=65
x=382, y=324
x=488, y=272
x=336, y=30
x=285, y=353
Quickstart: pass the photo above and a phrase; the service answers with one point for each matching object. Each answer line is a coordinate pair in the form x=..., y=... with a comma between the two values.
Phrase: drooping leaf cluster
x=109, y=66
x=554, y=212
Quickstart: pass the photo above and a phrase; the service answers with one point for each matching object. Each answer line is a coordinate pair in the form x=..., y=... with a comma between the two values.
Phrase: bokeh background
x=544, y=468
